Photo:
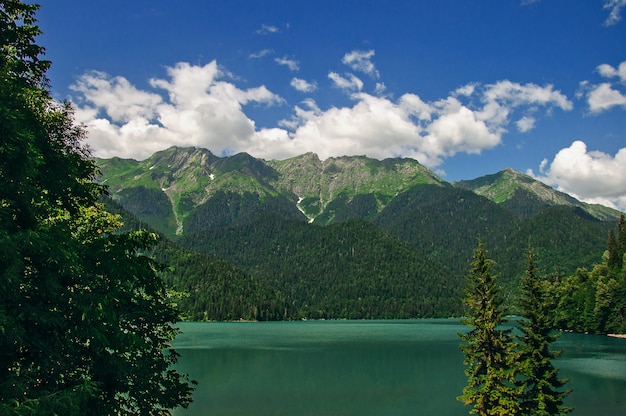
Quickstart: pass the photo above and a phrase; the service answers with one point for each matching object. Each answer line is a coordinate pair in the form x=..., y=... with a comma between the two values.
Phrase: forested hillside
x=347, y=270
x=444, y=223
x=205, y=287
x=594, y=300
x=292, y=270
x=349, y=237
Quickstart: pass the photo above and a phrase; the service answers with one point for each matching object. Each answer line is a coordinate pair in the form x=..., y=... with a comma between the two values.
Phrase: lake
x=398, y=367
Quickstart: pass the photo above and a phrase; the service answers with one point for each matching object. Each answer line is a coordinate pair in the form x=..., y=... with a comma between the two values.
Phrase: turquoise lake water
x=400, y=367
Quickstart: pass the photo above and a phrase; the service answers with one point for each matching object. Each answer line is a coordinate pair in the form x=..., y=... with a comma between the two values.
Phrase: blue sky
x=466, y=88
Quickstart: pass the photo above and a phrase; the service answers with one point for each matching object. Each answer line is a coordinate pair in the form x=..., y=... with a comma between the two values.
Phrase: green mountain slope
x=346, y=237
x=210, y=288
x=348, y=270
x=347, y=187
x=564, y=237
x=174, y=189
x=179, y=182
x=446, y=222
x=527, y=196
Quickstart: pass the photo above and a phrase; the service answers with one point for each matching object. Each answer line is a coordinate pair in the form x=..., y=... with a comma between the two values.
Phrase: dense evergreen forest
x=443, y=223
x=293, y=270
x=205, y=287
x=287, y=269
x=595, y=300
x=347, y=270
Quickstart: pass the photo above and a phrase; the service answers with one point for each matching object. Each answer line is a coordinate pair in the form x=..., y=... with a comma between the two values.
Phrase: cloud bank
x=200, y=106
x=194, y=107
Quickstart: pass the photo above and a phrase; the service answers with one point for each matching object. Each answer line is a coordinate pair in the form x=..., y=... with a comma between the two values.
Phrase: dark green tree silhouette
x=490, y=353
x=543, y=391
x=614, y=258
x=85, y=323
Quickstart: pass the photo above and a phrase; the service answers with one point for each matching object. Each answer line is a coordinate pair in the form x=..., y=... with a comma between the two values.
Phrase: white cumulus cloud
x=361, y=61
x=292, y=64
x=303, y=85
x=609, y=94
x=430, y=132
x=591, y=176
x=199, y=106
x=608, y=71
x=525, y=124
x=116, y=96
x=349, y=83
x=457, y=129
x=503, y=98
x=201, y=110
x=603, y=96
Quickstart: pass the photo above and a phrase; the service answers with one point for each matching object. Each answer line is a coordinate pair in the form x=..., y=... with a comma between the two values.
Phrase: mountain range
x=348, y=236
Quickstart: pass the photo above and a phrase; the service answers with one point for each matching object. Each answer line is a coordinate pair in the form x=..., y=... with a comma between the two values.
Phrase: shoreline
x=617, y=335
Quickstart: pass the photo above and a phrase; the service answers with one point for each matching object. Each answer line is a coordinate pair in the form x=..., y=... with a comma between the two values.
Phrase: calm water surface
x=407, y=367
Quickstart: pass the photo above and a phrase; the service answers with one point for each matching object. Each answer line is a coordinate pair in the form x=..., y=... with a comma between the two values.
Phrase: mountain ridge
x=348, y=229
x=322, y=191
x=527, y=196
x=189, y=177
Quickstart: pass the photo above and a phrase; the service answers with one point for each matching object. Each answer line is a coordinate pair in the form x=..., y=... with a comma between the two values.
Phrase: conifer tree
x=621, y=240
x=490, y=353
x=543, y=392
x=614, y=255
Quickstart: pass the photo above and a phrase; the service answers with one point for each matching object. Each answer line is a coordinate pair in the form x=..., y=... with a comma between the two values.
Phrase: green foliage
x=444, y=222
x=229, y=209
x=184, y=192
x=151, y=206
x=342, y=208
x=348, y=270
x=215, y=290
x=510, y=375
x=542, y=393
x=439, y=221
x=208, y=288
x=490, y=352
x=84, y=321
x=563, y=237
x=595, y=301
